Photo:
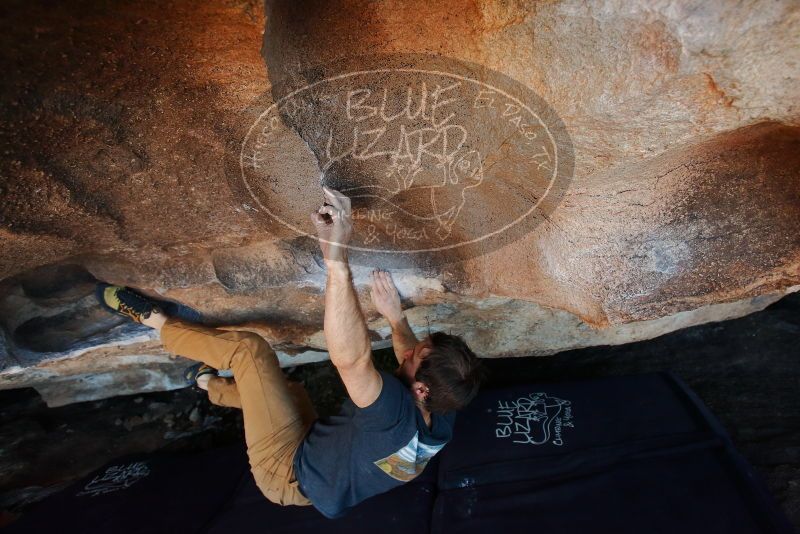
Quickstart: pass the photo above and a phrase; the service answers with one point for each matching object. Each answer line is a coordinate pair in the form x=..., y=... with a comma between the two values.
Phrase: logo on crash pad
x=442, y=159
x=535, y=419
x=116, y=478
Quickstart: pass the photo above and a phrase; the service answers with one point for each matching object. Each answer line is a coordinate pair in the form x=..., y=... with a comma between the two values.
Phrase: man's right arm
x=345, y=330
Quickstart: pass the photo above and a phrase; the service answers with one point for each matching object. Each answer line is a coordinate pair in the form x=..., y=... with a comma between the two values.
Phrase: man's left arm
x=386, y=299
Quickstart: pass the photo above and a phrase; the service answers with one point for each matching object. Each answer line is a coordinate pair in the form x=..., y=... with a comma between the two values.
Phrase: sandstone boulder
x=540, y=176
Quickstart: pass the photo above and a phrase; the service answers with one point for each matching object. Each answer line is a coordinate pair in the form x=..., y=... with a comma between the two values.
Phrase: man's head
x=443, y=372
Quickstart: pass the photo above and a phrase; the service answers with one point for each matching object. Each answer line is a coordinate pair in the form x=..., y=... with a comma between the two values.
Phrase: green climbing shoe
x=125, y=302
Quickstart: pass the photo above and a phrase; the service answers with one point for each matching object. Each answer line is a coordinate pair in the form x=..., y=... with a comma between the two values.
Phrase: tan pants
x=276, y=414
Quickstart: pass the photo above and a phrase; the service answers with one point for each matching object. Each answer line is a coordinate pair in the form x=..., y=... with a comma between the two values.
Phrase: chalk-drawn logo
x=535, y=419
x=115, y=478
x=440, y=158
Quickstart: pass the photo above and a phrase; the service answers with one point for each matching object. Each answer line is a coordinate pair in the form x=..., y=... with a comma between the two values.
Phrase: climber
x=388, y=429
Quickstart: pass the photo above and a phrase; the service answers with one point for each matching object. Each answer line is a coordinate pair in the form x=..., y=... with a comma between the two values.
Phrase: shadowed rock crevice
x=61, y=332
x=53, y=310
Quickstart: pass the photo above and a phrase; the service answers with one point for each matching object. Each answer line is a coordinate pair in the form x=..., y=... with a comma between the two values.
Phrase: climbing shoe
x=125, y=302
x=196, y=371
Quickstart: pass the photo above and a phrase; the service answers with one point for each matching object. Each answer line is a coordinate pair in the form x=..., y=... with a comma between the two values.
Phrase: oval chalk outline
x=411, y=70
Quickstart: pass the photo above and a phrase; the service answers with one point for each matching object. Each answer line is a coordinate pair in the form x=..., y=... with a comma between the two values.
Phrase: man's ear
x=424, y=352
x=420, y=391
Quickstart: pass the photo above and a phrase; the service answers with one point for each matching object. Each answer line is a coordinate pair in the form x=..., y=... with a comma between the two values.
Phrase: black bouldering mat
x=142, y=494
x=405, y=509
x=624, y=454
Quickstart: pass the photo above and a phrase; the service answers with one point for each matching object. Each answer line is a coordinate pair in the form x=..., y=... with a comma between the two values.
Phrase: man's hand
x=387, y=301
x=385, y=297
x=334, y=224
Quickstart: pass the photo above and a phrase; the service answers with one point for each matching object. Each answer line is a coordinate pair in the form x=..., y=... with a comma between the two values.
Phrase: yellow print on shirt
x=408, y=462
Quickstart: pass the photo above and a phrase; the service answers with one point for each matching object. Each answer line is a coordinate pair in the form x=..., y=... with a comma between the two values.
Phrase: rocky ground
x=746, y=370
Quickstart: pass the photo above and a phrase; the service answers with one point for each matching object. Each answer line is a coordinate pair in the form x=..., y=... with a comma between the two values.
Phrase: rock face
x=539, y=175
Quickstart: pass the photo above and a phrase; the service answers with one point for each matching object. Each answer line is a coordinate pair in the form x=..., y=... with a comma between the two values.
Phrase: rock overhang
x=682, y=208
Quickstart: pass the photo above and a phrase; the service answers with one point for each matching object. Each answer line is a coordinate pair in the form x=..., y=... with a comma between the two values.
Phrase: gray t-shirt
x=362, y=452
